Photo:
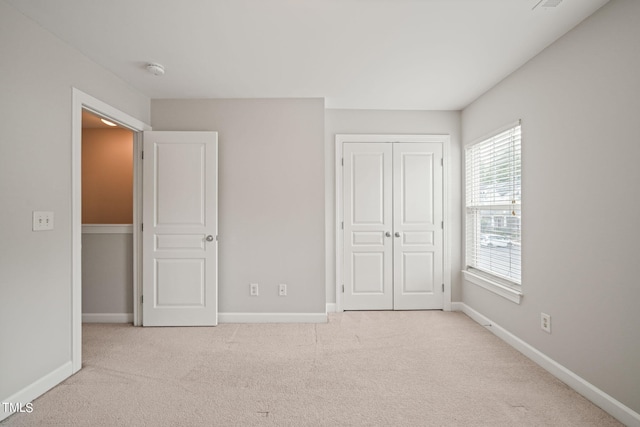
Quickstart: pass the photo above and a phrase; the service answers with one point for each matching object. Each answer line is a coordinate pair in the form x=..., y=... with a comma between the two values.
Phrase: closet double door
x=393, y=226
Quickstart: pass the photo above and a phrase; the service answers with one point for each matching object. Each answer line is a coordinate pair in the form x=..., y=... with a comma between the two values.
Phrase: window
x=493, y=207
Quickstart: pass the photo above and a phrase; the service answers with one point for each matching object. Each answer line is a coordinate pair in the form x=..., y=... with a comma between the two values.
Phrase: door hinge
x=342, y=225
x=343, y=161
x=442, y=161
x=141, y=299
x=442, y=224
x=141, y=227
x=343, y=288
x=443, y=287
x=142, y=155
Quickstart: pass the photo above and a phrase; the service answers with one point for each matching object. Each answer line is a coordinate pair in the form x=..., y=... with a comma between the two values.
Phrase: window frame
x=494, y=282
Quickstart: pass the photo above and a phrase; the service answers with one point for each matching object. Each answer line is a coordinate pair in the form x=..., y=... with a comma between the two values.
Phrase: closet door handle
x=388, y=234
x=397, y=234
x=209, y=238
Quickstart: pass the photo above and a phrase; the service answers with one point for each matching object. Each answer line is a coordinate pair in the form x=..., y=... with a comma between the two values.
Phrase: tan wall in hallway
x=107, y=176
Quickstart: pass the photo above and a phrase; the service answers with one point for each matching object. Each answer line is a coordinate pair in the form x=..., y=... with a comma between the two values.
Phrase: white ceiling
x=382, y=54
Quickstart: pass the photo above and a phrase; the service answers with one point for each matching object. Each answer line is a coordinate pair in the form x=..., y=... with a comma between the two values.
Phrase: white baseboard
x=458, y=306
x=107, y=317
x=272, y=317
x=618, y=410
x=37, y=388
x=331, y=307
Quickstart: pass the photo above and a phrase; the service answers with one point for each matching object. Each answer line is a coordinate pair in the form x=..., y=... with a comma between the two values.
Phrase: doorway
x=107, y=221
x=391, y=233
x=82, y=101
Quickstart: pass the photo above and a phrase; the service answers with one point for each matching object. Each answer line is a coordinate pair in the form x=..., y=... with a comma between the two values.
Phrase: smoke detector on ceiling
x=155, y=69
x=547, y=3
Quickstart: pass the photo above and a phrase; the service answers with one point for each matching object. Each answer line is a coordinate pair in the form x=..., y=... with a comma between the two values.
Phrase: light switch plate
x=42, y=220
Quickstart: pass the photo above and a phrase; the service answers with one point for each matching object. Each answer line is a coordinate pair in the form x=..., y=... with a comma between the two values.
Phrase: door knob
x=388, y=234
x=209, y=238
x=397, y=234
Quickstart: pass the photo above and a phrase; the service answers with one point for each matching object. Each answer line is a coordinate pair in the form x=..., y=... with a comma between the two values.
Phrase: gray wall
x=37, y=73
x=107, y=273
x=579, y=101
x=271, y=197
x=393, y=122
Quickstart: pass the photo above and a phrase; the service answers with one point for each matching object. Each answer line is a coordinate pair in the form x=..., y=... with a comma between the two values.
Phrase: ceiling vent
x=547, y=3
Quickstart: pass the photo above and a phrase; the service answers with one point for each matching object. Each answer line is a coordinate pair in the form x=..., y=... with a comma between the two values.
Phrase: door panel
x=417, y=238
x=368, y=238
x=179, y=213
x=415, y=170
x=418, y=245
x=368, y=188
x=418, y=272
x=180, y=196
x=179, y=241
x=368, y=271
x=179, y=283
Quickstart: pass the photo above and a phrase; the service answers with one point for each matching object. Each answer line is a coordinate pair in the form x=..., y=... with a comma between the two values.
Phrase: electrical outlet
x=282, y=290
x=545, y=322
x=253, y=289
x=42, y=221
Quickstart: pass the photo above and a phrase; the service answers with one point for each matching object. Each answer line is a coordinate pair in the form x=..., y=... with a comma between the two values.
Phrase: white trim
x=80, y=101
x=272, y=317
x=38, y=387
x=331, y=307
x=339, y=232
x=137, y=229
x=504, y=291
x=445, y=140
x=107, y=317
x=618, y=410
x=446, y=233
x=107, y=229
x=457, y=306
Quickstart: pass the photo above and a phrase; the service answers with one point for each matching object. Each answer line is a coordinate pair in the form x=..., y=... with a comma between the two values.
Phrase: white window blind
x=493, y=205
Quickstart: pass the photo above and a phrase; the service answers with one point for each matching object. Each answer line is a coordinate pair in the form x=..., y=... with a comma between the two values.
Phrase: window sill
x=504, y=291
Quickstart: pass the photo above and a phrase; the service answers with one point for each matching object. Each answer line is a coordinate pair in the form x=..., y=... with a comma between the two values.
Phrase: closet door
x=417, y=226
x=368, y=241
x=393, y=230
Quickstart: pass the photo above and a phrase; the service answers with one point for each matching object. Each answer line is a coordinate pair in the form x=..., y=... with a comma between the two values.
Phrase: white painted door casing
x=180, y=229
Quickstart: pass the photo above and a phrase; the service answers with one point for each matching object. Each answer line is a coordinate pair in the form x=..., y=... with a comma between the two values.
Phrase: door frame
x=83, y=101
x=340, y=140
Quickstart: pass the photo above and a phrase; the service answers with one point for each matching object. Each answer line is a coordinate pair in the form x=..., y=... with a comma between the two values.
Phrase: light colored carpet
x=424, y=368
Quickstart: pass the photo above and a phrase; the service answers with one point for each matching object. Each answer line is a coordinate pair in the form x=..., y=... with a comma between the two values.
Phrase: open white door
x=180, y=226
